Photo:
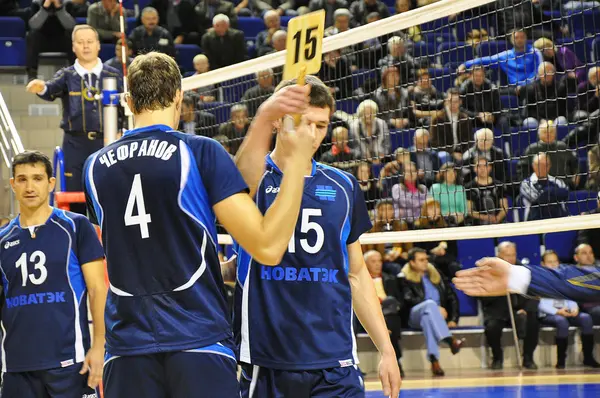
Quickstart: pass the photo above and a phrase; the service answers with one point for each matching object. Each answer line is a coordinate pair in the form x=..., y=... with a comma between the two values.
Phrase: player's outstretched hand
x=289, y=100
x=389, y=374
x=93, y=364
x=488, y=278
x=36, y=86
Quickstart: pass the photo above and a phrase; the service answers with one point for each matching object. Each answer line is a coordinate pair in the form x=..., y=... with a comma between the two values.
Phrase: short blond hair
x=77, y=28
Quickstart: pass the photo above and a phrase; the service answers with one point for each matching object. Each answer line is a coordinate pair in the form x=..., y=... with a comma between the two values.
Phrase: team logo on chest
x=326, y=193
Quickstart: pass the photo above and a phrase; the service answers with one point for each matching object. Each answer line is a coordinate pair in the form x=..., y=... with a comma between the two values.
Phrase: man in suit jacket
x=223, y=45
x=206, y=10
x=196, y=121
x=451, y=130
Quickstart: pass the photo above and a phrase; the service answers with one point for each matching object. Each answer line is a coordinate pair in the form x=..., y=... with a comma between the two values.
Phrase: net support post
x=110, y=102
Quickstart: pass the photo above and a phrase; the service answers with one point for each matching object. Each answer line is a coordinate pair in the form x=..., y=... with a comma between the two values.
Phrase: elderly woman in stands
x=430, y=305
x=370, y=134
x=408, y=195
x=563, y=59
x=450, y=194
x=392, y=99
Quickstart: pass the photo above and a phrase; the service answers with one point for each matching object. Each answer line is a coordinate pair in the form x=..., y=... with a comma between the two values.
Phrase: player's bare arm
x=368, y=310
x=250, y=157
x=266, y=238
x=93, y=273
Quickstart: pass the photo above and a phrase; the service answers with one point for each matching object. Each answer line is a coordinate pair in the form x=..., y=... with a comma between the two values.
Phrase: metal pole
x=513, y=324
x=110, y=102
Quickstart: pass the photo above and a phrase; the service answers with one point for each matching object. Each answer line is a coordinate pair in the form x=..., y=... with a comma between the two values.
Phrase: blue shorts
x=50, y=383
x=209, y=372
x=257, y=382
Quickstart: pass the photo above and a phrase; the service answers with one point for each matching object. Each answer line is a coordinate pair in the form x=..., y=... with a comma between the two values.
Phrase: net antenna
x=124, y=51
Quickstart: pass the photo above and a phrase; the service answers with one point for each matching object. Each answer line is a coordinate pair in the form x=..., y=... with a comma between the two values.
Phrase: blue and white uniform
x=293, y=321
x=45, y=316
x=153, y=193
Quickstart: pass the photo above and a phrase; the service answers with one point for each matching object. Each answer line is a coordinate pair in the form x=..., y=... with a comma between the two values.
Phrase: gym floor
x=571, y=383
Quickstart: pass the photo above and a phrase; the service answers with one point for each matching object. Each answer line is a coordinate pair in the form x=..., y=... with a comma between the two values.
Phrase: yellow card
x=304, y=44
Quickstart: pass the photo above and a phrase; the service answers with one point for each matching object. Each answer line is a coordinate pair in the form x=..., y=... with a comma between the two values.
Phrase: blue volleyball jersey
x=45, y=316
x=298, y=314
x=153, y=193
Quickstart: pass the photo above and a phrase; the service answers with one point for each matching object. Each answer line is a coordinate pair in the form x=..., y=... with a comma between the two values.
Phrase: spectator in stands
x=394, y=254
x=398, y=57
x=450, y=194
x=593, y=180
x=370, y=134
x=368, y=185
x=263, y=39
x=292, y=7
x=279, y=40
x=223, y=45
x=451, y=129
x=408, y=195
x=337, y=74
x=414, y=32
x=104, y=17
x=341, y=22
x=564, y=313
x=591, y=236
x=386, y=286
x=563, y=59
x=429, y=304
x=392, y=99
x=546, y=98
x=481, y=101
x=77, y=87
x=252, y=8
x=207, y=93
x=584, y=257
x=392, y=171
x=50, y=29
x=487, y=201
x=496, y=317
x=564, y=164
x=520, y=64
x=255, y=96
x=361, y=8
x=207, y=10
x=340, y=155
x=195, y=121
x=235, y=130
x=528, y=15
x=117, y=61
x=150, y=36
x=330, y=7
x=588, y=93
x=426, y=101
x=543, y=195
x=484, y=147
x=426, y=159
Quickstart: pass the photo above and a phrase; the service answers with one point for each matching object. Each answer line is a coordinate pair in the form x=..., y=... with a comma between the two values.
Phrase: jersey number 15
x=306, y=226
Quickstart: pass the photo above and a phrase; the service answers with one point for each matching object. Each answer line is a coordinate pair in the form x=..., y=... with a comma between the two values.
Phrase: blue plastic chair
x=251, y=26
x=185, y=55
x=12, y=52
x=12, y=27
x=563, y=243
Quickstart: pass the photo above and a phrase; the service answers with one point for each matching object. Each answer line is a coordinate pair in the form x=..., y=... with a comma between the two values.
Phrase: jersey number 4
x=136, y=197
x=38, y=259
x=306, y=226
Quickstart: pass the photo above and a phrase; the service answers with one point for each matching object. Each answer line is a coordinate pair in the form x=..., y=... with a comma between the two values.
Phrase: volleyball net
x=462, y=120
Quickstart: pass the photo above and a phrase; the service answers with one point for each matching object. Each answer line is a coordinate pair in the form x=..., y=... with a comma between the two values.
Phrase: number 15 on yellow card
x=304, y=44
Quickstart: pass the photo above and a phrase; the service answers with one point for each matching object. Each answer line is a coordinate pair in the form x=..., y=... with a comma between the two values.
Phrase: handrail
x=10, y=142
x=59, y=163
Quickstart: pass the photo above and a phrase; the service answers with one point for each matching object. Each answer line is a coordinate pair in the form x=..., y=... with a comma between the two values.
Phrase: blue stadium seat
x=487, y=48
x=251, y=26
x=521, y=139
x=509, y=102
x=347, y=105
x=285, y=20
x=582, y=201
x=438, y=38
x=584, y=23
x=467, y=22
x=423, y=49
x=12, y=52
x=186, y=54
x=563, y=243
x=528, y=246
x=454, y=54
x=360, y=76
x=131, y=24
x=471, y=250
x=107, y=51
x=221, y=110
x=467, y=305
x=12, y=27
x=442, y=79
x=402, y=138
x=234, y=89
x=441, y=25
x=81, y=20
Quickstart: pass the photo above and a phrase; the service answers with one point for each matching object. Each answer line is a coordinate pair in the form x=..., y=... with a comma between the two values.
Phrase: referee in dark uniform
x=79, y=86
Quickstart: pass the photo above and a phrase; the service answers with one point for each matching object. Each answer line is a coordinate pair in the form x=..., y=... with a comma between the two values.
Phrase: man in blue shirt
x=50, y=260
x=520, y=64
x=294, y=320
x=156, y=194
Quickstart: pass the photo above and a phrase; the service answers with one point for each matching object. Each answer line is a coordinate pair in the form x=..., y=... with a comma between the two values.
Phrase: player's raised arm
x=266, y=238
x=250, y=157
